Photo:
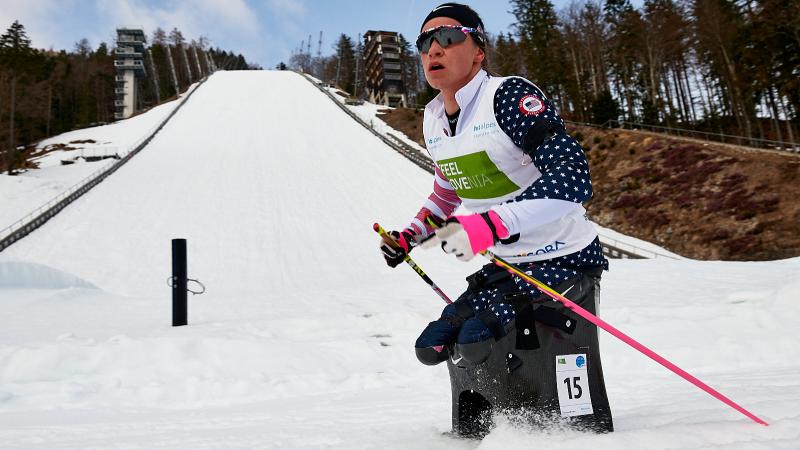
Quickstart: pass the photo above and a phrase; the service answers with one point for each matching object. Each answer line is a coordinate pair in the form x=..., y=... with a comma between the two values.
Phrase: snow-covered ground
x=304, y=337
x=369, y=113
x=23, y=193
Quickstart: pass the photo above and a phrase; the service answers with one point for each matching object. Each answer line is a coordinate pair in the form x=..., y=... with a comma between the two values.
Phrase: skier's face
x=449, y=69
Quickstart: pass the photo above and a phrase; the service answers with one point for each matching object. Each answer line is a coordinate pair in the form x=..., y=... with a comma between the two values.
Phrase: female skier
x=501, y=150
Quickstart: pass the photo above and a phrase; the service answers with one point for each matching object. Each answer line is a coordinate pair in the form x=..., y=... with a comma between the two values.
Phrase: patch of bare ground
x=701, y=200
x=405, y=120
x=704, y=201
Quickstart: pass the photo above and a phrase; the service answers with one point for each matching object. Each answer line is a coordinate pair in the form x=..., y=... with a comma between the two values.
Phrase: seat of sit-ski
x=545, y=369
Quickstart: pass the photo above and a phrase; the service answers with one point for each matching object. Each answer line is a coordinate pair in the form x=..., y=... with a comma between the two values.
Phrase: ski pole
x=618, y=334
x=389, y=240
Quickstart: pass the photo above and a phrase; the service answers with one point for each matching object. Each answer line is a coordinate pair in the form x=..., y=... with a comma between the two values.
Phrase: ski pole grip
x=384, y=235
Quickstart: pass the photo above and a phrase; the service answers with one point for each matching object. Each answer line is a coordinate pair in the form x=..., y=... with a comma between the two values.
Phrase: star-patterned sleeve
x=531, y=121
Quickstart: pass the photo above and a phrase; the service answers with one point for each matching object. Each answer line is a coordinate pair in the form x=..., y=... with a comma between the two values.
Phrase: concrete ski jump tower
x=384, y=68
x=129, y=63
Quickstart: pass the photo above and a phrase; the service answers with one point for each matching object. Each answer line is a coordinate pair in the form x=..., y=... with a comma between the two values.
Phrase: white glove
x=455, y=240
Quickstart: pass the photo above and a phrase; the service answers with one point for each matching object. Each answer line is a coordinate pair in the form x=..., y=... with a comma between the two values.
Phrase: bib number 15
x=574, y=386
x=572, y=382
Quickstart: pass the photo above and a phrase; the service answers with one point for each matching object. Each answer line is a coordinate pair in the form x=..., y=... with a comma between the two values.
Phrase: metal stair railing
x=412, y=154
x=786, y=146
x=615, y=248
x=45, y=212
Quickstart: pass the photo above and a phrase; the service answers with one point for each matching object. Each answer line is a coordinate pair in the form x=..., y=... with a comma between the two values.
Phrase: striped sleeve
x=442, y=202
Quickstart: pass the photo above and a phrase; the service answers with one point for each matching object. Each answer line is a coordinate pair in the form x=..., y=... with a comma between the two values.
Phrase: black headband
x=462, y=13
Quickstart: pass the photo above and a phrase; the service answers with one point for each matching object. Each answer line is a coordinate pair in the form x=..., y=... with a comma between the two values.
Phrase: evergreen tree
x=539, y=41
x=409, y=60
x=179, y=58
x=359, y=69
x=505, y=58
x=159, y=37
x=176, y=37
x=345, y=54
x=719, y=30
x=16, y=57
x=621, y=19
x=83, y=48
x=102, y=50
x=605, y=108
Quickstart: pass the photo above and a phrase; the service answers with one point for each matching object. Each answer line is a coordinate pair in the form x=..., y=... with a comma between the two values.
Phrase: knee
x=473, y=330
x=449, y=310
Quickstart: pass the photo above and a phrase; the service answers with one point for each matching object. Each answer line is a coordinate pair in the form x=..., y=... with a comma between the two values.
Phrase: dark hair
x=485, y=64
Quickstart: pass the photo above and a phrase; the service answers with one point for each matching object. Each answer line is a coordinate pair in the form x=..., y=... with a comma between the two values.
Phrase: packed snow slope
x=304, y=337
x=24, y=193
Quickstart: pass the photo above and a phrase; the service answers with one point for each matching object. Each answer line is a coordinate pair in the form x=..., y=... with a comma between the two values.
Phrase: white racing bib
x=572, y=382
x=486, y=169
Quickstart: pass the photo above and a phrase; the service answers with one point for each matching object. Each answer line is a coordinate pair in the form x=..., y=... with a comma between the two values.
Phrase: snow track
x=133, y=139
x=304, y=338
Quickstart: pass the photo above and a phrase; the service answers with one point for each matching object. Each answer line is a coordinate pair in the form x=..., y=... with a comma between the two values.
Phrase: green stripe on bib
x=475, y=176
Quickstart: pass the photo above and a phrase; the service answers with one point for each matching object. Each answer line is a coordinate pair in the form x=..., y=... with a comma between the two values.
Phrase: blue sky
x=265, y=31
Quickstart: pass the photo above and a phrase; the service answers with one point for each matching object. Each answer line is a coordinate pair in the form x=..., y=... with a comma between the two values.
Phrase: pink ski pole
x=620, y=335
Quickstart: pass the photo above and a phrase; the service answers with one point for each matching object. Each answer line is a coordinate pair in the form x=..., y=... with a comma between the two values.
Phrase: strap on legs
x=527, y=314
x=527, y=339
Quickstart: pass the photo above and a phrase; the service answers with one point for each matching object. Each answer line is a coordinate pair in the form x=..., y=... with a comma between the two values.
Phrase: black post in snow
x=179, y=283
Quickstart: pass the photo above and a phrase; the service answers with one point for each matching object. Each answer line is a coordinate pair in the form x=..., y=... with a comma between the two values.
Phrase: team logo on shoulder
x=531, y=105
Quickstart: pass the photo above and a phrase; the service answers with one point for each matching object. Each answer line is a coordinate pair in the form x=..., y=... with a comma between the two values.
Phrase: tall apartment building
x=383, y=68
x=129, y=63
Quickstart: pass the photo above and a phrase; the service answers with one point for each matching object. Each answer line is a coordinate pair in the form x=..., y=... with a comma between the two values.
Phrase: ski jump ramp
x=260, y=172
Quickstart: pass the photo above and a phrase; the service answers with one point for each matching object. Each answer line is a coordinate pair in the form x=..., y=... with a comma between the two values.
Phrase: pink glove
x=466, y=236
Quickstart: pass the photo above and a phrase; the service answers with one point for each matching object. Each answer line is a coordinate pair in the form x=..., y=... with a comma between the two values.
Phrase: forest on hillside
x=47, y=92
x=722, y=66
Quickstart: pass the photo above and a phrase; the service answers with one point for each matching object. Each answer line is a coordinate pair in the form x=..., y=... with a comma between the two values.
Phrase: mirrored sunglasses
x=446, y=35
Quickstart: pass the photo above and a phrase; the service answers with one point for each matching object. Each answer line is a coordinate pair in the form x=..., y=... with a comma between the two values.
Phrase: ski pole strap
x=577, y=309
x=389, y=240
